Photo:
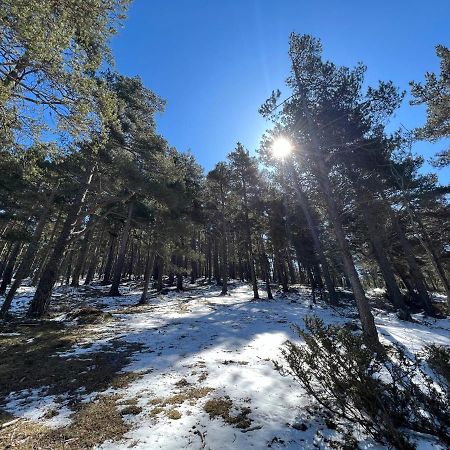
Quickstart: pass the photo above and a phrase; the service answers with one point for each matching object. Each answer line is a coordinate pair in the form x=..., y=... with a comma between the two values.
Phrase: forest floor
x=191, y=370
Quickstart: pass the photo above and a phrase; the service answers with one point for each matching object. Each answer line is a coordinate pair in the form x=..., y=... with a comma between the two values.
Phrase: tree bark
x=150, y=261
x=312, y=227
x=375, y=236
x=42, y=296
x=248, y=232
x=93, y=261
x=84, y=248
x=266, y=268
x=27, y=260
x=413, y=266
x=224, y=264
x=365, y=314
x=7, y=251
x=429, y=247
x=110, y=260
x=114, y=291
x=9, y=269
x=224, y=249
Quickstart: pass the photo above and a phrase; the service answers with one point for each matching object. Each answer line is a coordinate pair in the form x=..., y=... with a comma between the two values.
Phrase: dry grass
x=30, y=360
x=167, y=405
x=90, y=315
x=192, y=394
x=131, y=409
x=182, y=383
x=173, y=414
x=92, y=424
x=221, y=407
x=155, y=411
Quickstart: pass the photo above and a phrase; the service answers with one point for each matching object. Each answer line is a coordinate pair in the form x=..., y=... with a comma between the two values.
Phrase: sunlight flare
x=281, y=147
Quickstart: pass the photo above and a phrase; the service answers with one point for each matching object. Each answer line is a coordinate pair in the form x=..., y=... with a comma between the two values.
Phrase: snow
x=33, y=404
x=227, y=344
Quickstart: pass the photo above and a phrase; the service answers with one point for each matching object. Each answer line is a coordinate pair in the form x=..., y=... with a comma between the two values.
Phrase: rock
x=300, y=426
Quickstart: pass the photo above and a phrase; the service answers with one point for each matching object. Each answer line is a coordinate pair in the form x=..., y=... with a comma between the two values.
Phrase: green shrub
x=382, y=393
x=438, y=358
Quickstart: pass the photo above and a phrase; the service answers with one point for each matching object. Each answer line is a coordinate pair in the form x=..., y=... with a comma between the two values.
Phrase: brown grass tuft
x=221, y=407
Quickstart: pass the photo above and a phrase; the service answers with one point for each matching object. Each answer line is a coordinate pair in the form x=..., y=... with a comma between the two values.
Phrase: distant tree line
x=90, y=192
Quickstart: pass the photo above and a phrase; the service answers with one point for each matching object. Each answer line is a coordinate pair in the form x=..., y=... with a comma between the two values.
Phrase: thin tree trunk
x=318, y=248
x=114, y=291
x=93, y=261
x=179, y=277
x=265, y=265
x=224, y=264
x=150, y=261
x=429, y=247
x=84, y=248
x=413, y=266
x=110, y=260
x=375, y=236
x=8, y=272
x=69, y=265
x=45, y=253
x=251, y=256
x=7, y=251
x=224, y=258
x=27, y=260
x=159, y=281
x=365, y=314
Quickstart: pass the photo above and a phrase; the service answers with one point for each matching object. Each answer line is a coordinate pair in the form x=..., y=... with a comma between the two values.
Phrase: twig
x=11, y=422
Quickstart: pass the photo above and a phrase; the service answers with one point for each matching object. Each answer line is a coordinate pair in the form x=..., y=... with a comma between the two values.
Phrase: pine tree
x=435, y=94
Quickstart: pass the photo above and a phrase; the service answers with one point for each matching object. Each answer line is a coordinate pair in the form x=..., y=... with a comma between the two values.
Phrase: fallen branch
x=11, y=422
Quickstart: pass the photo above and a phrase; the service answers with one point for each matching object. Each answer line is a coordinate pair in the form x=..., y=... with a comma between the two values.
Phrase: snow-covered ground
x=200, y=346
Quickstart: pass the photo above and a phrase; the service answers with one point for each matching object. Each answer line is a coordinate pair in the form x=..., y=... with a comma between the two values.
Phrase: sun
x=281, y=147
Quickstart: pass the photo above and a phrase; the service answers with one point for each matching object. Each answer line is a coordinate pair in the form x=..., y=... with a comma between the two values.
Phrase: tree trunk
x=248, y=232
x=110, y=260
x=159, y=280
x=27, y=260
x=7, y=251
x=69, y=259
x=365, y=314
x=429, y=247
x=375, y=235
x=224, y=264
x=8, y=272
x=84, y=248
x=93, y=261
x=147, y=275
x=179, y=281
x=413, y=266
x=41, y=299
x=114, y=291
x=224, y=247
x=318, y=248
x=266, y=268
x=312, y=283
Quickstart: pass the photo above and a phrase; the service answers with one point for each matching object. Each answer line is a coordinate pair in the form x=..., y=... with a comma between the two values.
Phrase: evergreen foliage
x=382, y=393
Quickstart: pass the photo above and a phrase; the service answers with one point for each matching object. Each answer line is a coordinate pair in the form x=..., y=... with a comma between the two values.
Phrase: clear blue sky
x=215, y=62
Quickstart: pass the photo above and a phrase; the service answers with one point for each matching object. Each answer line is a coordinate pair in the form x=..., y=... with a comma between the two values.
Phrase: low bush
x=385, y=393
x=438, y=358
